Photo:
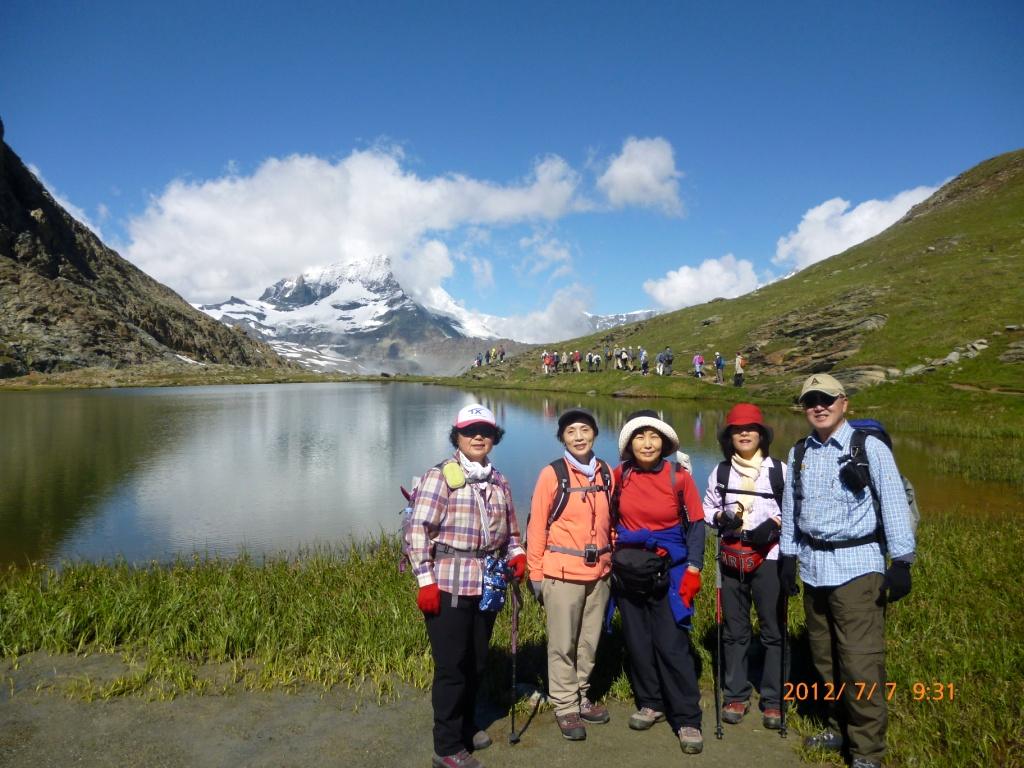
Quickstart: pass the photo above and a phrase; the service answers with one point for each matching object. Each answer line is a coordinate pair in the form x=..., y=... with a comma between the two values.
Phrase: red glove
x=689, y=586
x=429, y=599
x=518, y=566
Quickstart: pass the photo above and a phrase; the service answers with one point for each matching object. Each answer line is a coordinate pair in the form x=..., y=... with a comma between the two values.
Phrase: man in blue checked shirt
x=835, y=534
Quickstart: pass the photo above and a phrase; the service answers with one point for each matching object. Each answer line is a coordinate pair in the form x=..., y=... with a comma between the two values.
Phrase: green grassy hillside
x=949, y=273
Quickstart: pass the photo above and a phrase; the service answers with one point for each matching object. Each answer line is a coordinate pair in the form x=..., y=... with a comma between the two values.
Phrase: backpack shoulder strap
x=562, y=494
x=778, y=482
x=799, y=448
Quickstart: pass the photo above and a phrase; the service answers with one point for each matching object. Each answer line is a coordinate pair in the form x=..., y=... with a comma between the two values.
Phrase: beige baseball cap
x=822, y=382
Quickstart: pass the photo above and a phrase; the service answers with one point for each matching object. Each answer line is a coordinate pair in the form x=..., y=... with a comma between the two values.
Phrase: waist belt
x=445, y=551
x=577, y=552
x=831, y=546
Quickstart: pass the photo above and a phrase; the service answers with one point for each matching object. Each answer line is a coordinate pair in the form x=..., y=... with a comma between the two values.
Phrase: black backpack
x=565, y=488
x=856, y=475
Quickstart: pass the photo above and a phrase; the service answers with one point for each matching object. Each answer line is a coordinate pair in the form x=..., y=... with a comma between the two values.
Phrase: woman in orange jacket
x=569, y=555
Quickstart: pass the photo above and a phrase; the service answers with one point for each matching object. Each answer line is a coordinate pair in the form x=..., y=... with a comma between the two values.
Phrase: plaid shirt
x=832, y=512
x=477, y=516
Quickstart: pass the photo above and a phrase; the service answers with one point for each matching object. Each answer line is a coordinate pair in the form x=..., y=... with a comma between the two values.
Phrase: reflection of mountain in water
x=71, y=450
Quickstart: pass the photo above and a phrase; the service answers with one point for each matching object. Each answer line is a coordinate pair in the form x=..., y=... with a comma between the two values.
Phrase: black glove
x=537, y=589
x=787, y=575
x=897, y=580
x=729, y=521
x=761, y=534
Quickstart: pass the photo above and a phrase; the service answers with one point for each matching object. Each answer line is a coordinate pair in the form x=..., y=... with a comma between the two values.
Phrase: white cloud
x=832, y=227
x=644, y=174
x=238, y=234
x=562, y=318
x=544, y=253
x=728, y=277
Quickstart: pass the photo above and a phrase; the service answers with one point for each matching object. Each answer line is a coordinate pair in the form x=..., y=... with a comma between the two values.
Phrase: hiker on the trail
x=659, y=514
x=841, y=540
x=462, y=522
x=738, y=365
x=617, y=359
x=576, y=361
x=719, y=369
x=645, y=361
x=698, y=365
x=570, y=562
x=666, y=368
x=749, y=525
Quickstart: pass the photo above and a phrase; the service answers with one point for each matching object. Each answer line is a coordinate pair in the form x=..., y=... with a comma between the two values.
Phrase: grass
x=347, y=617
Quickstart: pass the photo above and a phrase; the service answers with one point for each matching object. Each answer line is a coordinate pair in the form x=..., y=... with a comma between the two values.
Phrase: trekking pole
x=785, y=648
x=513, y=737
x=718, y=619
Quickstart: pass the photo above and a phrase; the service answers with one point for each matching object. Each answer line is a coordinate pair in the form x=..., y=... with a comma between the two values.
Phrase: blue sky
x=531, y=158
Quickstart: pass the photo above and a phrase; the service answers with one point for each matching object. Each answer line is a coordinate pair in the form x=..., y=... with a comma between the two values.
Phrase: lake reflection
x=151, y=473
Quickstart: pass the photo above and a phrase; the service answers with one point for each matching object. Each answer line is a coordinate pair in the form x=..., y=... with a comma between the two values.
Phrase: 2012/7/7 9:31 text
x=832, y=692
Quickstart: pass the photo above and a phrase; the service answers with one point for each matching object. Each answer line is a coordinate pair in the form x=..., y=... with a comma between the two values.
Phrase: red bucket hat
x=743, y=415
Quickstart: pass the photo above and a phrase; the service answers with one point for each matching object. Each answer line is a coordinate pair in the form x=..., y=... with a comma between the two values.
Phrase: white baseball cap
x=475, y=414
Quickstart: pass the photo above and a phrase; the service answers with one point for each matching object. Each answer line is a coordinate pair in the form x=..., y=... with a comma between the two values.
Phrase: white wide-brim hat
x=642, y=419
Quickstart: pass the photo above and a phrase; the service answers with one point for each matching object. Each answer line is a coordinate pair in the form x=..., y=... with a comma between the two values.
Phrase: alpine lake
x=156, y=474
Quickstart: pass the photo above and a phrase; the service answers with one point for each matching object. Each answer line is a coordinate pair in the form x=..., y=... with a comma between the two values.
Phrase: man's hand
x=897, y=580
x=787, y=575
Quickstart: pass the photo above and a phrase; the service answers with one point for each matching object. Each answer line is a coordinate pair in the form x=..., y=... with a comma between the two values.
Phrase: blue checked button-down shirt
x=832, y=512
x=477, y=516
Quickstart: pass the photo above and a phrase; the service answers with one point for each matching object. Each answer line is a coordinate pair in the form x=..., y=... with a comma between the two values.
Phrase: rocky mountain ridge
x=67, y=301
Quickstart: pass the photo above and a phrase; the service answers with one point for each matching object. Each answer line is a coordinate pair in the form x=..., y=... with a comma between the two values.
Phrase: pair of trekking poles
x=719, y=693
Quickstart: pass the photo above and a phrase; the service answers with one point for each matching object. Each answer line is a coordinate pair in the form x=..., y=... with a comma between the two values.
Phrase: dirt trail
x=40, y=727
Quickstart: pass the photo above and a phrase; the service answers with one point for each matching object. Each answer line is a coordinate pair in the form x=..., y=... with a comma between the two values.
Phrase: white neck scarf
x=475, y=473
x=590, y=470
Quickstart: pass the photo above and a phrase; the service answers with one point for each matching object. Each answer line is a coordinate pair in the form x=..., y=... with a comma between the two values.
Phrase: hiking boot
x=645, y=718
x=459, y=760
x=863, y=762
x=734, y=711
x=571, y=726
x=481, y=740
x=772, y=719
x=827, y=739
x=690, y=740
x=592, y=713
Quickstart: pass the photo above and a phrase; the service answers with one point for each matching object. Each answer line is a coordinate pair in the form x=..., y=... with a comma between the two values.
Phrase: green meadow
x=348, y=617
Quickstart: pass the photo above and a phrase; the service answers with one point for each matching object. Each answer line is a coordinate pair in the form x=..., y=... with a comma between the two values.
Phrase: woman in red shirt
x=659, y=509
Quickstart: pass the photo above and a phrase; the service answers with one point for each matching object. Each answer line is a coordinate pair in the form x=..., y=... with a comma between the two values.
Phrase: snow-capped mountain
x=356, y=317
x=604, y=322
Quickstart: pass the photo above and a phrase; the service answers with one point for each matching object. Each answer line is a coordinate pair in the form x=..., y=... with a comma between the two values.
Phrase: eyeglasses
x=814, y=399
x=478, y=430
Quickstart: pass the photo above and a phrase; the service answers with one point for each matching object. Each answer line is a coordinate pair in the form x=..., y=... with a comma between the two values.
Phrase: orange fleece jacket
x=586, y=519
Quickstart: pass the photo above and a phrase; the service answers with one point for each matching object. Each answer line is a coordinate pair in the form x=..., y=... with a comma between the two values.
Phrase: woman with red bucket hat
x=743, y=503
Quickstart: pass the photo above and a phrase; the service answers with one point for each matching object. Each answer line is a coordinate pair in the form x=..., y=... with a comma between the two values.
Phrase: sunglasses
x=814, y=399
x=478, y=430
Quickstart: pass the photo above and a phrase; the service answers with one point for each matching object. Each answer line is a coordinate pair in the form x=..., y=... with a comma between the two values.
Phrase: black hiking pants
x=459, y=638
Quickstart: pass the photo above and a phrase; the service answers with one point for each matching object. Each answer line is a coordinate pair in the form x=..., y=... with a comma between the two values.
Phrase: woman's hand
x=429, y=599
x=518, y=566
x=689, y=586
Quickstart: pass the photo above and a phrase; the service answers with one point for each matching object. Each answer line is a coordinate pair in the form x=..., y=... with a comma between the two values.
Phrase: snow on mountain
x=604, y=322
x=356, y=317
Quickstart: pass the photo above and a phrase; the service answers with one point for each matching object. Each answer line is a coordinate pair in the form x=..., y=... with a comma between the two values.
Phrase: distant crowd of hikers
x=632, y=539
x=638, y=359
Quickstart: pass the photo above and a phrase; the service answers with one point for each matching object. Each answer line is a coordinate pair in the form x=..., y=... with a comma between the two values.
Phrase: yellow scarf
x=748, y=470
